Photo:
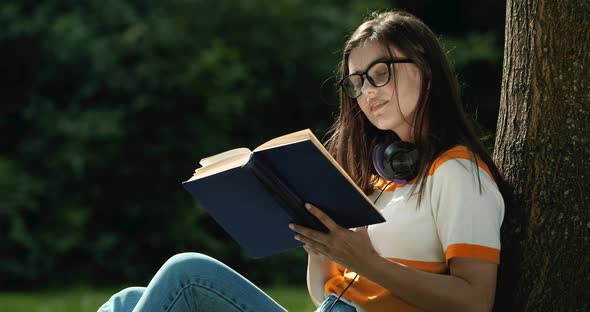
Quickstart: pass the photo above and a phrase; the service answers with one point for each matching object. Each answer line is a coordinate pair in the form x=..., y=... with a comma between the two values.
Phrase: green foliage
x=473, y=47
x=477, y=56
x=108, y=105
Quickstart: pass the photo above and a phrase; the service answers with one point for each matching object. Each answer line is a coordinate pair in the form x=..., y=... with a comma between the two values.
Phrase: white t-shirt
x=455, y=219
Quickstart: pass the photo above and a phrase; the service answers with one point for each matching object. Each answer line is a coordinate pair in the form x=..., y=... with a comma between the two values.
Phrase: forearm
x=428, y=291
x=319, y=270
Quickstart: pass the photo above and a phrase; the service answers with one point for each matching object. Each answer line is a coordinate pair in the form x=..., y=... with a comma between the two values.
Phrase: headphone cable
x=354, y=278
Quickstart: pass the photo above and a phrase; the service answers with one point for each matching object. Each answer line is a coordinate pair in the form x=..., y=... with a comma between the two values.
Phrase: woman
x=439, y=248
x=401, y=132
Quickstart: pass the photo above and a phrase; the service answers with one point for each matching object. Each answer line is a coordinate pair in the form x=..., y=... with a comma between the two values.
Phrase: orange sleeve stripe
x=473, y=251
x=427, y=266
x=458, y=152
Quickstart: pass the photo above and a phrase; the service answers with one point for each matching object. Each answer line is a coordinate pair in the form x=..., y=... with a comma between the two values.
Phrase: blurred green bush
x=108, y=105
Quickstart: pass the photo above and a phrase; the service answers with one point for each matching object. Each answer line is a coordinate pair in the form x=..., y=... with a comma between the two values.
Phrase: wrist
x=370, y=264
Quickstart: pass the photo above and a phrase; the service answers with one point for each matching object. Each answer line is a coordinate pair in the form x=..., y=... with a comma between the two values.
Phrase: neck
x=405, y=134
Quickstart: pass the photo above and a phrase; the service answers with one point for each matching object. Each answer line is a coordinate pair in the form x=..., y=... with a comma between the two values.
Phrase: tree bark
x=542, y=150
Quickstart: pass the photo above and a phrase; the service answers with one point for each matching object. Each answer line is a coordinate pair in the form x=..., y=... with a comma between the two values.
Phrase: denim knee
x=125, y=300
x=191, y=262
x=130, y=292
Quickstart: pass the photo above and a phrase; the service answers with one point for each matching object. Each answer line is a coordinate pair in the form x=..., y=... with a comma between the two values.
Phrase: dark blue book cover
x=256, y=200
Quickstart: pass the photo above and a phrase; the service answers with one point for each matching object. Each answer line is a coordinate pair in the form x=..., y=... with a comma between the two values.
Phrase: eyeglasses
x=378, y=74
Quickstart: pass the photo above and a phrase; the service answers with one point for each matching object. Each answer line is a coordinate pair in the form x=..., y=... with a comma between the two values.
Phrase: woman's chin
x=382, y=126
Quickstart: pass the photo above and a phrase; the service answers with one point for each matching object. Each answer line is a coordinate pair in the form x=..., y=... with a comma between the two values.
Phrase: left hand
x=350, y=248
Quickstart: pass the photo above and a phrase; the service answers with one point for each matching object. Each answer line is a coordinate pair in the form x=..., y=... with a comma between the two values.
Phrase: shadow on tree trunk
x=509, y=270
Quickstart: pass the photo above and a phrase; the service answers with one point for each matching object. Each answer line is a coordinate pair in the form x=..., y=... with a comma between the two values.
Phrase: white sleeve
x=468, y=218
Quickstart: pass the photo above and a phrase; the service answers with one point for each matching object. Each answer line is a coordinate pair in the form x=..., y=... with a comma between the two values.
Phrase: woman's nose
x=368, y=88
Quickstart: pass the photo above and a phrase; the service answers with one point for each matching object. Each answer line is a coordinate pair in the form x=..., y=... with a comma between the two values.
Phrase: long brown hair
x=440, y=122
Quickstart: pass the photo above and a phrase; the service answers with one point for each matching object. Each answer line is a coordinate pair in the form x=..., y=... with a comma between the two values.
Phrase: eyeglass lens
x=378, y=76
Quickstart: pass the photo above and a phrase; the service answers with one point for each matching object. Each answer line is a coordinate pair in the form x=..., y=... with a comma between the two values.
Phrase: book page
x=233, y=161
x=217, y=157
x=287, y=139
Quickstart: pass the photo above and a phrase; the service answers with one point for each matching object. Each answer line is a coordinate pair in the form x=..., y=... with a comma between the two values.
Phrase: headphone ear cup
x=380, y=162
x=402, y=159
x=396, y=161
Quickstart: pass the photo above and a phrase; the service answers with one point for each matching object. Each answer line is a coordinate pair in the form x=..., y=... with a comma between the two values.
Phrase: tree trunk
x=542, y=149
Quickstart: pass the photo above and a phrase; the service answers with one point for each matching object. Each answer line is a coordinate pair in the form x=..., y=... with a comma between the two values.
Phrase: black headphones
x=396, y=161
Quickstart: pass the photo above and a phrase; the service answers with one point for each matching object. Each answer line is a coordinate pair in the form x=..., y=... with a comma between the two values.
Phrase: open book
x=254, y=195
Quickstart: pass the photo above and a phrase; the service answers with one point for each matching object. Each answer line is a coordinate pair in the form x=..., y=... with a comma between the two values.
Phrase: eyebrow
x=381, y=59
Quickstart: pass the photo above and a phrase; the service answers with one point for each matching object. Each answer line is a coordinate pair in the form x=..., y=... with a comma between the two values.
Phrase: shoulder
x=458, y=160
x=459, y=178
x=459, y=171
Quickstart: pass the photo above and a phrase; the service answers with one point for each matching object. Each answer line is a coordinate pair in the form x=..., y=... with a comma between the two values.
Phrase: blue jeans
x=196, y=282
x=340, y=306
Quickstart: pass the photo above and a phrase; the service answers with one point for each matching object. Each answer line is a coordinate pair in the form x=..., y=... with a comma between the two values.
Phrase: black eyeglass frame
x=371, y=81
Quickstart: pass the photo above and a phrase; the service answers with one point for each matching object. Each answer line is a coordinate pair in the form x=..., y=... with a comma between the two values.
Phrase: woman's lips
x=377, y=106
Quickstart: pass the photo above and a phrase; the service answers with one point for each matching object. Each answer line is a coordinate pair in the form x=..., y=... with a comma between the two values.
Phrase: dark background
x=107, y=106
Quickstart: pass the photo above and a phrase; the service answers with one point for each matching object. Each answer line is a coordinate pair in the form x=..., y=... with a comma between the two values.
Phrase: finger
x=310, y=243
x=310, y=233
x=324, y=218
